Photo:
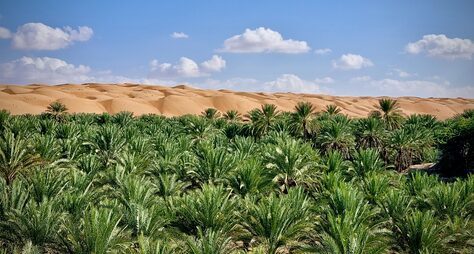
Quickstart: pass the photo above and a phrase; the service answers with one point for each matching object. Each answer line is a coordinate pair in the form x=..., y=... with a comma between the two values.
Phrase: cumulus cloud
x=439, y=45
x=215, y=64
x=38, y=36
x=323, y=51
x=351, y=62
x=46, y=70
x=292, y=83
x=263, y=40
x=186, y=68
x=179, y=35
x=5, y=33
x=43, y=70
x=413, y=87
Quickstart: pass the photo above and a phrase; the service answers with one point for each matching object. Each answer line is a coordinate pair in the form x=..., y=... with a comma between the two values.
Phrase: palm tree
x=279, y=222
x=209, y=242
x=301, y=119
x=420, y=233
x=57, y=110
x=332, y=109
x=232, y=115
x=336, y=136
x=250, y=178
x=407, y=144
x=370, y=133
x=290, y=160
x=37, y=223
x=263, y=119
x=98, y=231
x=366, y=161
x=212, y=165
x=211, y=113
x=107, y=143
x=209, y=208
x=391, y=113
x=15, y=157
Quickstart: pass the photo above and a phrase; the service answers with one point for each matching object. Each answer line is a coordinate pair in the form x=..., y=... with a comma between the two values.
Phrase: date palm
x=263, y=119
x=301, y=119
x=211, y=113
x=366, y=161
x=370, y=133
x=336, y=136
x=391, y=113
x=279, y=222
x=15, y=157
x=232, y=115
x=56, y=110
x=332, y=109
x=209, y=242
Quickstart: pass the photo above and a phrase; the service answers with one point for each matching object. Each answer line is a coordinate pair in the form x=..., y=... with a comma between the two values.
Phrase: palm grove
x=307, y=181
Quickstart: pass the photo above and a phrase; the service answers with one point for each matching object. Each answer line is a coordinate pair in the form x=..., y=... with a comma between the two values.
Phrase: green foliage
x=275, y=182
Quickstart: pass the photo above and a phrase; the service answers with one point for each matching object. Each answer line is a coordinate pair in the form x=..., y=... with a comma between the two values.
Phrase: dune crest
x=181, y=99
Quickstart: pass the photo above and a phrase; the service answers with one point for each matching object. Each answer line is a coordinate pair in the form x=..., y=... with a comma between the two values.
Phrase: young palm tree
x=366, y=161
x=211, y=208
x=108, y=142
x=97, y=232
x=391, y=113
x=209, y=242
x=301, y=119
x=336, y=136
x=279, y=222
x=250, y=178
x=57, y=110
x=212, y=165
x=211, y=113
x=290, y=161
x=37, y=223
x=15, y=157
x=332, y=109
x=420, y=233
x=263, y=119
x=232, y=115
x=370, y=133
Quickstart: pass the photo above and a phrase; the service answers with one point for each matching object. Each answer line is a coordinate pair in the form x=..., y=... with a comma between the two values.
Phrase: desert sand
x=180, y=100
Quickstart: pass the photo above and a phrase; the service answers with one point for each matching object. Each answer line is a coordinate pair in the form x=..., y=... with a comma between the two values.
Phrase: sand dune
x=182, y=99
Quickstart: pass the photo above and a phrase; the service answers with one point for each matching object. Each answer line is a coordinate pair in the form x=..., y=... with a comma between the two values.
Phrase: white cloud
x=422, y=88
x=292, y=83
x=186, y=68
x=325, y=80
x=323, y=51
x=179, y=35
x=438, y=45
x=46, y=70
x=215, y=64
x=351, y=62
x=361, y=79
x=5, y=33
x=43, y=70
x=38, y=36
x=401, y=73
x=263, y=40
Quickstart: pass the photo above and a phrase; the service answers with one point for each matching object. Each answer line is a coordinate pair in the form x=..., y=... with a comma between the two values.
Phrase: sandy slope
x=179, y=100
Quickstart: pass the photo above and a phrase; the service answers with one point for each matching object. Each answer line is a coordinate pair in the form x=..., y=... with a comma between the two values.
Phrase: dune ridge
x=182, y=99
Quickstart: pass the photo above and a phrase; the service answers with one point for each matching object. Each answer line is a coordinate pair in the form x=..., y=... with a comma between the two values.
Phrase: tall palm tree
x=57, y=110
x=211, y=113
x=232, y=115
x=332, y=109
x=391, y=113
x=301, y=119
x=263, y=119
x=15, y=157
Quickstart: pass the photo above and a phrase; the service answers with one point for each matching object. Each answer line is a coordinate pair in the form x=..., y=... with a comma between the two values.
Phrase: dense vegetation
x=267, y=182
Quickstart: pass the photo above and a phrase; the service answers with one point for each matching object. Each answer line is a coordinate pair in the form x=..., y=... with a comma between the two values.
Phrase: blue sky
x=397, y=48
